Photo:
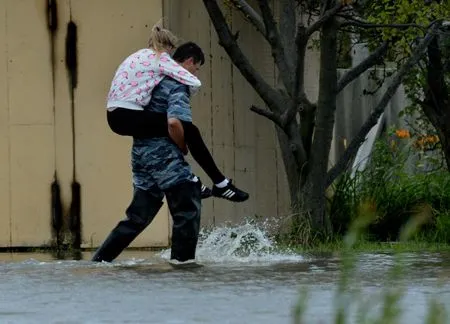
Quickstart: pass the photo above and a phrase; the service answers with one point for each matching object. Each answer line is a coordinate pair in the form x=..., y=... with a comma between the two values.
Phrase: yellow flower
x=402, y=133
x=426, y=139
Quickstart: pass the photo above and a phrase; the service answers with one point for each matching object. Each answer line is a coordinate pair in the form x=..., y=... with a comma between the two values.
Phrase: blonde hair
x=162, y=39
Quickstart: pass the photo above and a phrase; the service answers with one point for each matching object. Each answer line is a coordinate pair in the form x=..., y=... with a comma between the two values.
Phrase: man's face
x=191, y=66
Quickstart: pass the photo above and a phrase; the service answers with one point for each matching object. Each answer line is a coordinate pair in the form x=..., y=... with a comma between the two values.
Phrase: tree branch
x=250, y=13
x=298, y=91
x=288, y=22
x=274, y=99
x=366, y=25
x=274, y=39
x=366, y=64
x=268, y=114
x=379, y=109
x=326, y=15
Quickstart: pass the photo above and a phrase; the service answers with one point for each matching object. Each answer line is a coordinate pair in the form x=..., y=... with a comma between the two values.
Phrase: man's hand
x=176, y=133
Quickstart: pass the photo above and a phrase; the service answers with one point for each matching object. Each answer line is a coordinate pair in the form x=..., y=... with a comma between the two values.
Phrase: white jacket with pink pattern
x=140, y=73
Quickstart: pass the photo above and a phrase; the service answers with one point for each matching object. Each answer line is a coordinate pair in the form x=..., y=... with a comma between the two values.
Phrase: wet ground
x=235, y=285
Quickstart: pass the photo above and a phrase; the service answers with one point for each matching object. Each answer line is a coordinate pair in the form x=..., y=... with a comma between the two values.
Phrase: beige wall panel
x=245, y=178
x=222, y=124
x=109, y=30
x=30, y=104
x=29, y=70
x=245, y=120
x=266, y=183
x=32, y=167
x=266, y=137
x=5, y=214
x=267, y=160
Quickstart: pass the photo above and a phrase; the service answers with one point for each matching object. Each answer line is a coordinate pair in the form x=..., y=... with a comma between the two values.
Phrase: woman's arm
x=171, y=68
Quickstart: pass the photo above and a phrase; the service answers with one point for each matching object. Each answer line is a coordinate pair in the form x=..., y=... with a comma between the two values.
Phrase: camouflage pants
x=158, y=162
x=185, y=207
x=159, y=169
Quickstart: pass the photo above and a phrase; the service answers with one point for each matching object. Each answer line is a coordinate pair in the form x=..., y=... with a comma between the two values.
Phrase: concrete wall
x=36, y=125
x=27, y=150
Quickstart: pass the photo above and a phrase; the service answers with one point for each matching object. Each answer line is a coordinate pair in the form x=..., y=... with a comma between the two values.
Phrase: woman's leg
x=200, y=152
x=137, y=123
x=222, y=188
x=147, y=124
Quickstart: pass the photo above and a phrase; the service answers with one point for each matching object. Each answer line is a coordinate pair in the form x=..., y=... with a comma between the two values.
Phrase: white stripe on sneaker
x=226, y=193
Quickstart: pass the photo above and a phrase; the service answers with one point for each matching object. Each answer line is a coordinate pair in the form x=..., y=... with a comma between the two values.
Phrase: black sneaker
x=230, y=192
x=206, y=192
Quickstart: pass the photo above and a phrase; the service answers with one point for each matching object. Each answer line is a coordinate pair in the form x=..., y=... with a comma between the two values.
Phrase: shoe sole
x=225, y=198
x=185, y=265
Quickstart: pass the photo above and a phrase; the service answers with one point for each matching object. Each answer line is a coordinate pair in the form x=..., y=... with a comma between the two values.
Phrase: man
x=159, y=169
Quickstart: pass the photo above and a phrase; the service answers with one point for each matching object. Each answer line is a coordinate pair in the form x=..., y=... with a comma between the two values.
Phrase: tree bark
x=436, y=105
x=290, y=165
x=314, y=191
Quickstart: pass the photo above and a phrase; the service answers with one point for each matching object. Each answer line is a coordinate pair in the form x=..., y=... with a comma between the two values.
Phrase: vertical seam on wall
x=233, y=101
x=211, y=105
x=166, y=24
x=9, y=125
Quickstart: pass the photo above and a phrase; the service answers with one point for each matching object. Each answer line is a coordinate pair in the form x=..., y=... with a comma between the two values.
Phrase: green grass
x=370, y=247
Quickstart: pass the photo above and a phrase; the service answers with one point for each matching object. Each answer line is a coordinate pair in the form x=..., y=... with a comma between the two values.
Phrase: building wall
x=36, y=125
x=36, y=135
x=27, y=150
x=36, y=132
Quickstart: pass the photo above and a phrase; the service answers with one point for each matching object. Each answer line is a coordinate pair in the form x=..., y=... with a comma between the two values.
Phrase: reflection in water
x=244, y=281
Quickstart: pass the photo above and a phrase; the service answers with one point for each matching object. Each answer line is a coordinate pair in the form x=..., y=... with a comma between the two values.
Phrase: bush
x=397, y=184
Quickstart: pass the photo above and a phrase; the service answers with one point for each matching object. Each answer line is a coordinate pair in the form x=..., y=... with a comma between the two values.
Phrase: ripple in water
x=246, y=243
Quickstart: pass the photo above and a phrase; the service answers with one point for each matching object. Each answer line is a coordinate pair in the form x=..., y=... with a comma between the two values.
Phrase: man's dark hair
x=188, y=50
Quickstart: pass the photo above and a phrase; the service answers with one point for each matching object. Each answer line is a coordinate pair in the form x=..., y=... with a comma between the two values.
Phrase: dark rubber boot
x=140, y=213
x=184, y=201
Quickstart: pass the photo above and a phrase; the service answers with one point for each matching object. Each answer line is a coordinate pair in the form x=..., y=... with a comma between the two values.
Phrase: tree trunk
x=290, y=165
x=445, y=141
x=436, y=105
x=313, y=192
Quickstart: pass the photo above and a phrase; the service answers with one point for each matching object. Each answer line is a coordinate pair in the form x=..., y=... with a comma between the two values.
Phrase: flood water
x=241, y=282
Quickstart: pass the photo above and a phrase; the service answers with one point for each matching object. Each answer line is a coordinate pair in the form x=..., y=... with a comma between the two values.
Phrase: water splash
x=246, y=243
